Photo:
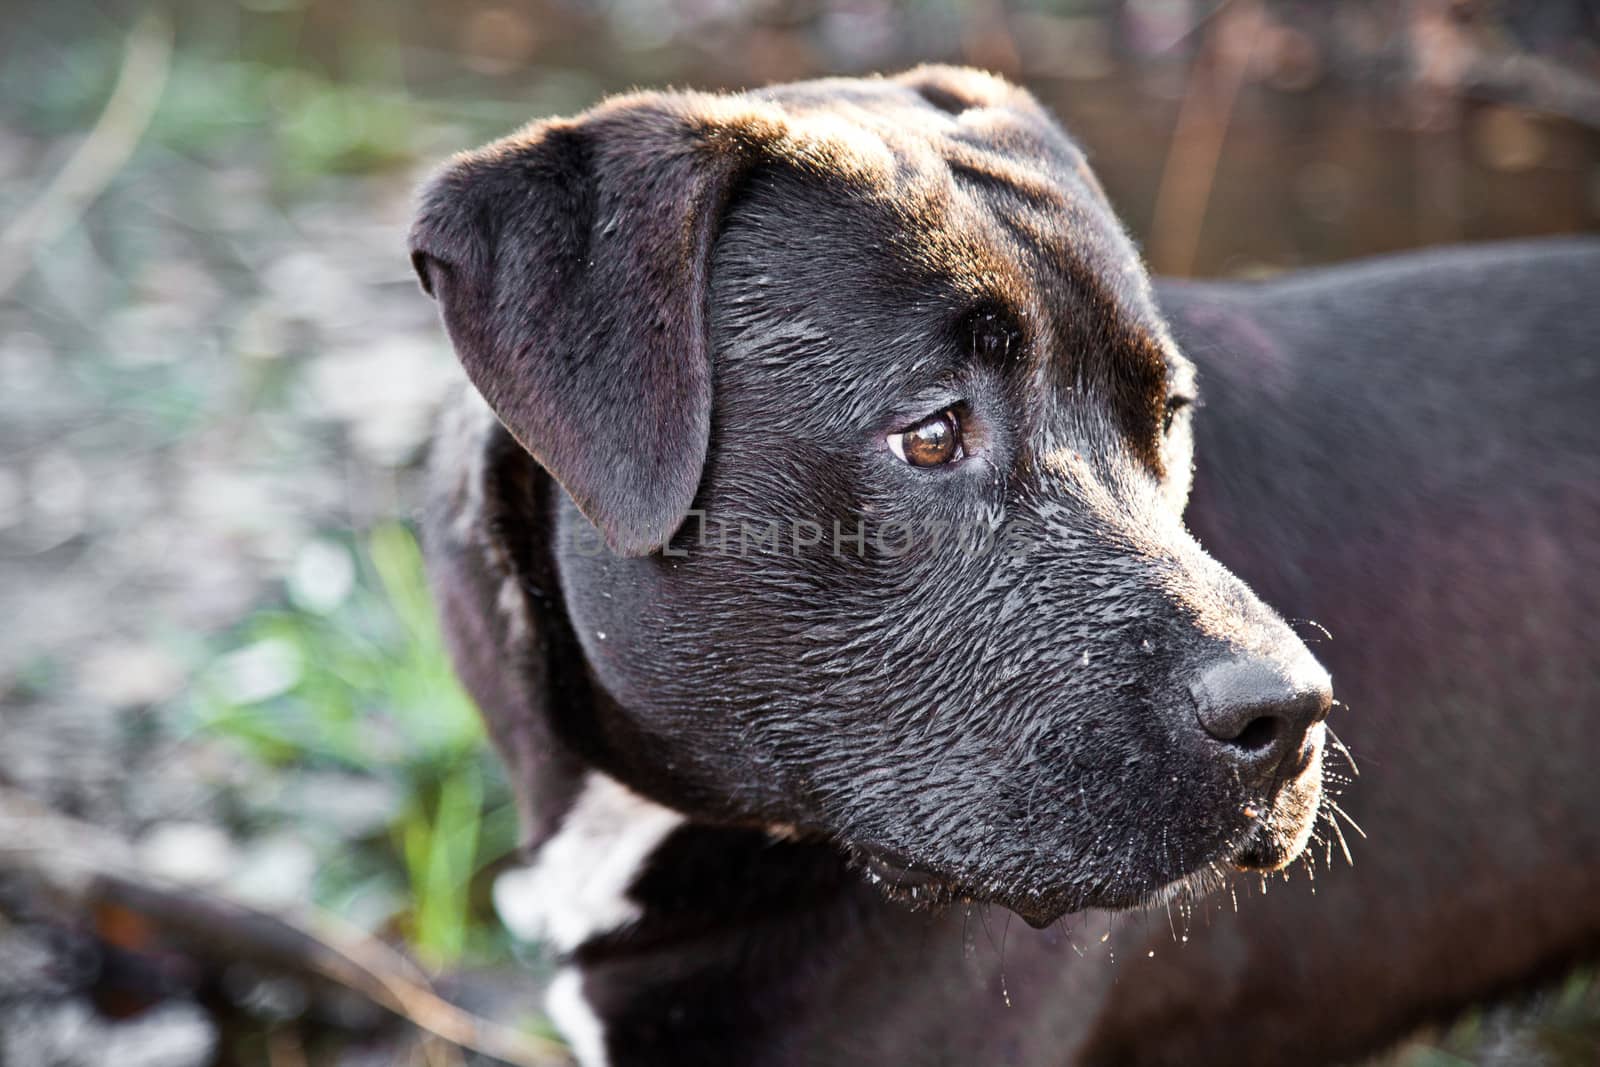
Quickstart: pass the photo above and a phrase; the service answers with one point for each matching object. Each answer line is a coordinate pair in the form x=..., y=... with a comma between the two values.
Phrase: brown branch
x=1190, y=169
x=88, y=868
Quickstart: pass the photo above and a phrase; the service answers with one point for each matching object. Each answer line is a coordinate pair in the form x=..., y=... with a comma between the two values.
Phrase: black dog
x=865, y=392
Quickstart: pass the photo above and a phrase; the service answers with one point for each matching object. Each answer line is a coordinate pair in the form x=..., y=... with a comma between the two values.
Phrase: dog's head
x=861, y=385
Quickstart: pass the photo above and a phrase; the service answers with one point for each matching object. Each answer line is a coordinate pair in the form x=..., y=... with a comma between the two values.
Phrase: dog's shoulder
x=485, y=535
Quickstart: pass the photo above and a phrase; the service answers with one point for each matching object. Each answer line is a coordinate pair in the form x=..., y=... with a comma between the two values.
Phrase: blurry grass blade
x=398, y=561
x=442, y=855
x=105, y=149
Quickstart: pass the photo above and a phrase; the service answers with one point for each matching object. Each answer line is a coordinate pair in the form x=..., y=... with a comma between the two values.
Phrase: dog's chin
x=908, y=884
x=1262, y=836
x=1278, y=836
x=920, y=889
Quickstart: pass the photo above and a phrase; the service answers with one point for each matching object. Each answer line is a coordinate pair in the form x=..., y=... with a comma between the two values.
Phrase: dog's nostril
x=1260, y=709
x=1259, y=733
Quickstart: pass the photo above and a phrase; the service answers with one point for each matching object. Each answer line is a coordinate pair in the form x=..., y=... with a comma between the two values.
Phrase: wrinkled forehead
x=968, y=189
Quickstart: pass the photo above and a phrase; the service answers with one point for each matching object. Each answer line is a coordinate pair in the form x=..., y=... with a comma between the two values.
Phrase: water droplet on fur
x=601, y=634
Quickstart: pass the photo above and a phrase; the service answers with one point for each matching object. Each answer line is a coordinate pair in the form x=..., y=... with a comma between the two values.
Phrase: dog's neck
x=657, y=918
x=577, y=890
x=685, y=943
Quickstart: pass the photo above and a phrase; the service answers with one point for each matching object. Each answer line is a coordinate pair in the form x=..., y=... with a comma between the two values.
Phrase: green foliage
x=366, y=687
x=1559, y=1025
x=313, y=126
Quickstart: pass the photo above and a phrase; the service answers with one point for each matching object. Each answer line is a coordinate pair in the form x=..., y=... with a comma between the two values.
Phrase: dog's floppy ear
x=571, y=264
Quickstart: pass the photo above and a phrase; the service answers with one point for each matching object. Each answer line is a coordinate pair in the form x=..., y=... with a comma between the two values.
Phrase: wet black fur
x=681, y=301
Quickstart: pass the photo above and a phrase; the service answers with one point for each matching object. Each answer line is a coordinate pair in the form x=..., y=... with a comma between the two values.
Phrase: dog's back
x=1406, y=451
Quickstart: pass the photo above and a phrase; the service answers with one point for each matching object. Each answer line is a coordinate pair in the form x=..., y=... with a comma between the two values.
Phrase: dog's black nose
x=1260, y=709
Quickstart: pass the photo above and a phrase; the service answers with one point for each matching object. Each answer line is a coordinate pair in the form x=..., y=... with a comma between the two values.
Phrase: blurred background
x=218, y=662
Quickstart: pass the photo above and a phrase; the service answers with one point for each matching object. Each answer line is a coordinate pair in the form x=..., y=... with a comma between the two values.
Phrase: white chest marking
x=568, y=1009
x=577, y=886
x=577, y=889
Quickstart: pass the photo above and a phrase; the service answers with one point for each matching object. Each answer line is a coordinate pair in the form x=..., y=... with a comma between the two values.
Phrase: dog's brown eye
x=931, y=442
